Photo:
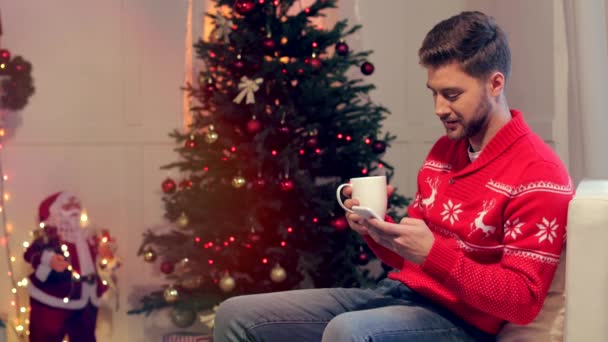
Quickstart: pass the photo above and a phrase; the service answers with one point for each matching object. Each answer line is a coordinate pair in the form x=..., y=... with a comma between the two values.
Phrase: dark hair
x=471, y=38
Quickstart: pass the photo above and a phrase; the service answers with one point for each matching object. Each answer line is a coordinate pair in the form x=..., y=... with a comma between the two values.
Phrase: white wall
x=107, y=92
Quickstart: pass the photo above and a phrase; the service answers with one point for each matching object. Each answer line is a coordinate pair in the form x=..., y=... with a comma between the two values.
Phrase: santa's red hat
x=44, y=210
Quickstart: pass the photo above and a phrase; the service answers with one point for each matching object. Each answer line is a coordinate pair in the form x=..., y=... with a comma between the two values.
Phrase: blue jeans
x=390, y=312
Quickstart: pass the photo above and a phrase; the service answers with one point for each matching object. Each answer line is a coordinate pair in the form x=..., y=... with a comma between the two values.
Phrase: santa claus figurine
x=66, y=287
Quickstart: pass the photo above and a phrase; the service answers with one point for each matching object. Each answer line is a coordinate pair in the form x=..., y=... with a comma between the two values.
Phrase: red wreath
x=17, y=84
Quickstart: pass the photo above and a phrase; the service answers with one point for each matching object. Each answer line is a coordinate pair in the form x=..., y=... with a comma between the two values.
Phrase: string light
x=7, y=228
x=84, y=219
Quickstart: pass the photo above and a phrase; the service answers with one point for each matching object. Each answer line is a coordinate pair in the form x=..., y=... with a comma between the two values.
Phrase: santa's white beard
x=68, y=226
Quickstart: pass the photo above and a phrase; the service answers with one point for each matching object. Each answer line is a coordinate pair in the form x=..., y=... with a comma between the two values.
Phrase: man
x=65, y=288
x=483, y=236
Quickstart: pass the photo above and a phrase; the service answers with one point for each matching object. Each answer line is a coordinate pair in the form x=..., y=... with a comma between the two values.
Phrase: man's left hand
x=411, y=238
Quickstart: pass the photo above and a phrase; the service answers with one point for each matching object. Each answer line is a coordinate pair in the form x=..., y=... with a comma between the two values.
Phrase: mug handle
x=338, y=193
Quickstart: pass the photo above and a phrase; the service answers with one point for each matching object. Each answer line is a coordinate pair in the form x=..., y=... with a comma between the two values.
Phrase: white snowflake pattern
x=512, y=229
x=547, y=230
x=451, y=211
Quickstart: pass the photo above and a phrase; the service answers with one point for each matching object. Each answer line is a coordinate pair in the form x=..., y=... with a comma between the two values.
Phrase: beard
x=482, y=113
x=68, y=225
x=473, y=126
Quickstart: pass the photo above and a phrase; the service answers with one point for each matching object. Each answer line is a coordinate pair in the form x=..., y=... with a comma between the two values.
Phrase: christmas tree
x=278, y=126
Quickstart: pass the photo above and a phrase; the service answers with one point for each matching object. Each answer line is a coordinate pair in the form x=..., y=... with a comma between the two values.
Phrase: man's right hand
x=356, y=222
x=58, y=263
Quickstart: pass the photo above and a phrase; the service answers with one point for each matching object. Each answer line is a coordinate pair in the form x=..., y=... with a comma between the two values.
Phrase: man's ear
x=496, y=83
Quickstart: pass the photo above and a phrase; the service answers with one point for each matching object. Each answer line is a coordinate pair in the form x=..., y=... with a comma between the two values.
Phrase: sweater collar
x=504, y=138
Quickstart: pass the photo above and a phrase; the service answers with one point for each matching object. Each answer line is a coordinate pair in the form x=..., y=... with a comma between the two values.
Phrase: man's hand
x=356, y=222
x=58, y=263
x=411, y=238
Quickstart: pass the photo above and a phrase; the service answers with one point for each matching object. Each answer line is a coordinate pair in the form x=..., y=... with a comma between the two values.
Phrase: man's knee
x=227, y=311
x=345, y=327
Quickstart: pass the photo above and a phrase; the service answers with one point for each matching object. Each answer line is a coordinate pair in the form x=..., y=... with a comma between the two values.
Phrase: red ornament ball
x=339, y=223
x=190, y=143
x=363, y=258
x=254, y=237
x=287, y=185
x=316, y=63
x=5, y=55
x=342, y=49
x=254, y=126
x=284, y=129
x=168, y=186
x=258, y=183
x=378, y=146
x=185, y=184
x=269, y=44
x=312, y=142
x=367, y=68
x=243, y=7
x=239, y=64
x=166, y=267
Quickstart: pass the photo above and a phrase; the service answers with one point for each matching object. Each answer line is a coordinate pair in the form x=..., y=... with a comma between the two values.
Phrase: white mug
x=369, y=191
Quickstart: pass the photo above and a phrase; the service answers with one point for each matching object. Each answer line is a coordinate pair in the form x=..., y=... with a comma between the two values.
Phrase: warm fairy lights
x=19, y=320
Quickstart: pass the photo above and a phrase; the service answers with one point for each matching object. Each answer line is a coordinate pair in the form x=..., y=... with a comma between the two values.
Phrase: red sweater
x=499, y=225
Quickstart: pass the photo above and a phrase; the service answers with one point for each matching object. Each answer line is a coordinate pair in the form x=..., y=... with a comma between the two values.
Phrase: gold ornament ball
x=238, y=182
x=192, y=282
x=171, y=294
x=211, y=137
x=182, y=221
x=278, y=274
x=183, y=267
x=149, y=255
x=227, y=283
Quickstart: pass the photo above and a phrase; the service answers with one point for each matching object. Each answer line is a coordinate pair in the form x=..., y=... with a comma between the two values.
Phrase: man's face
x=461, y=101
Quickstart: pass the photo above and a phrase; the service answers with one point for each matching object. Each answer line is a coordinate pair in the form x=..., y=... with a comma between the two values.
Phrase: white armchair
x=587, y=264
x=576, y=307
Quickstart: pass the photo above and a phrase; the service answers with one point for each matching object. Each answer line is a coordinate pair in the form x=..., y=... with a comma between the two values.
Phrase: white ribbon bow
x=223, y=29
x=248, y=87
x=209, y=319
